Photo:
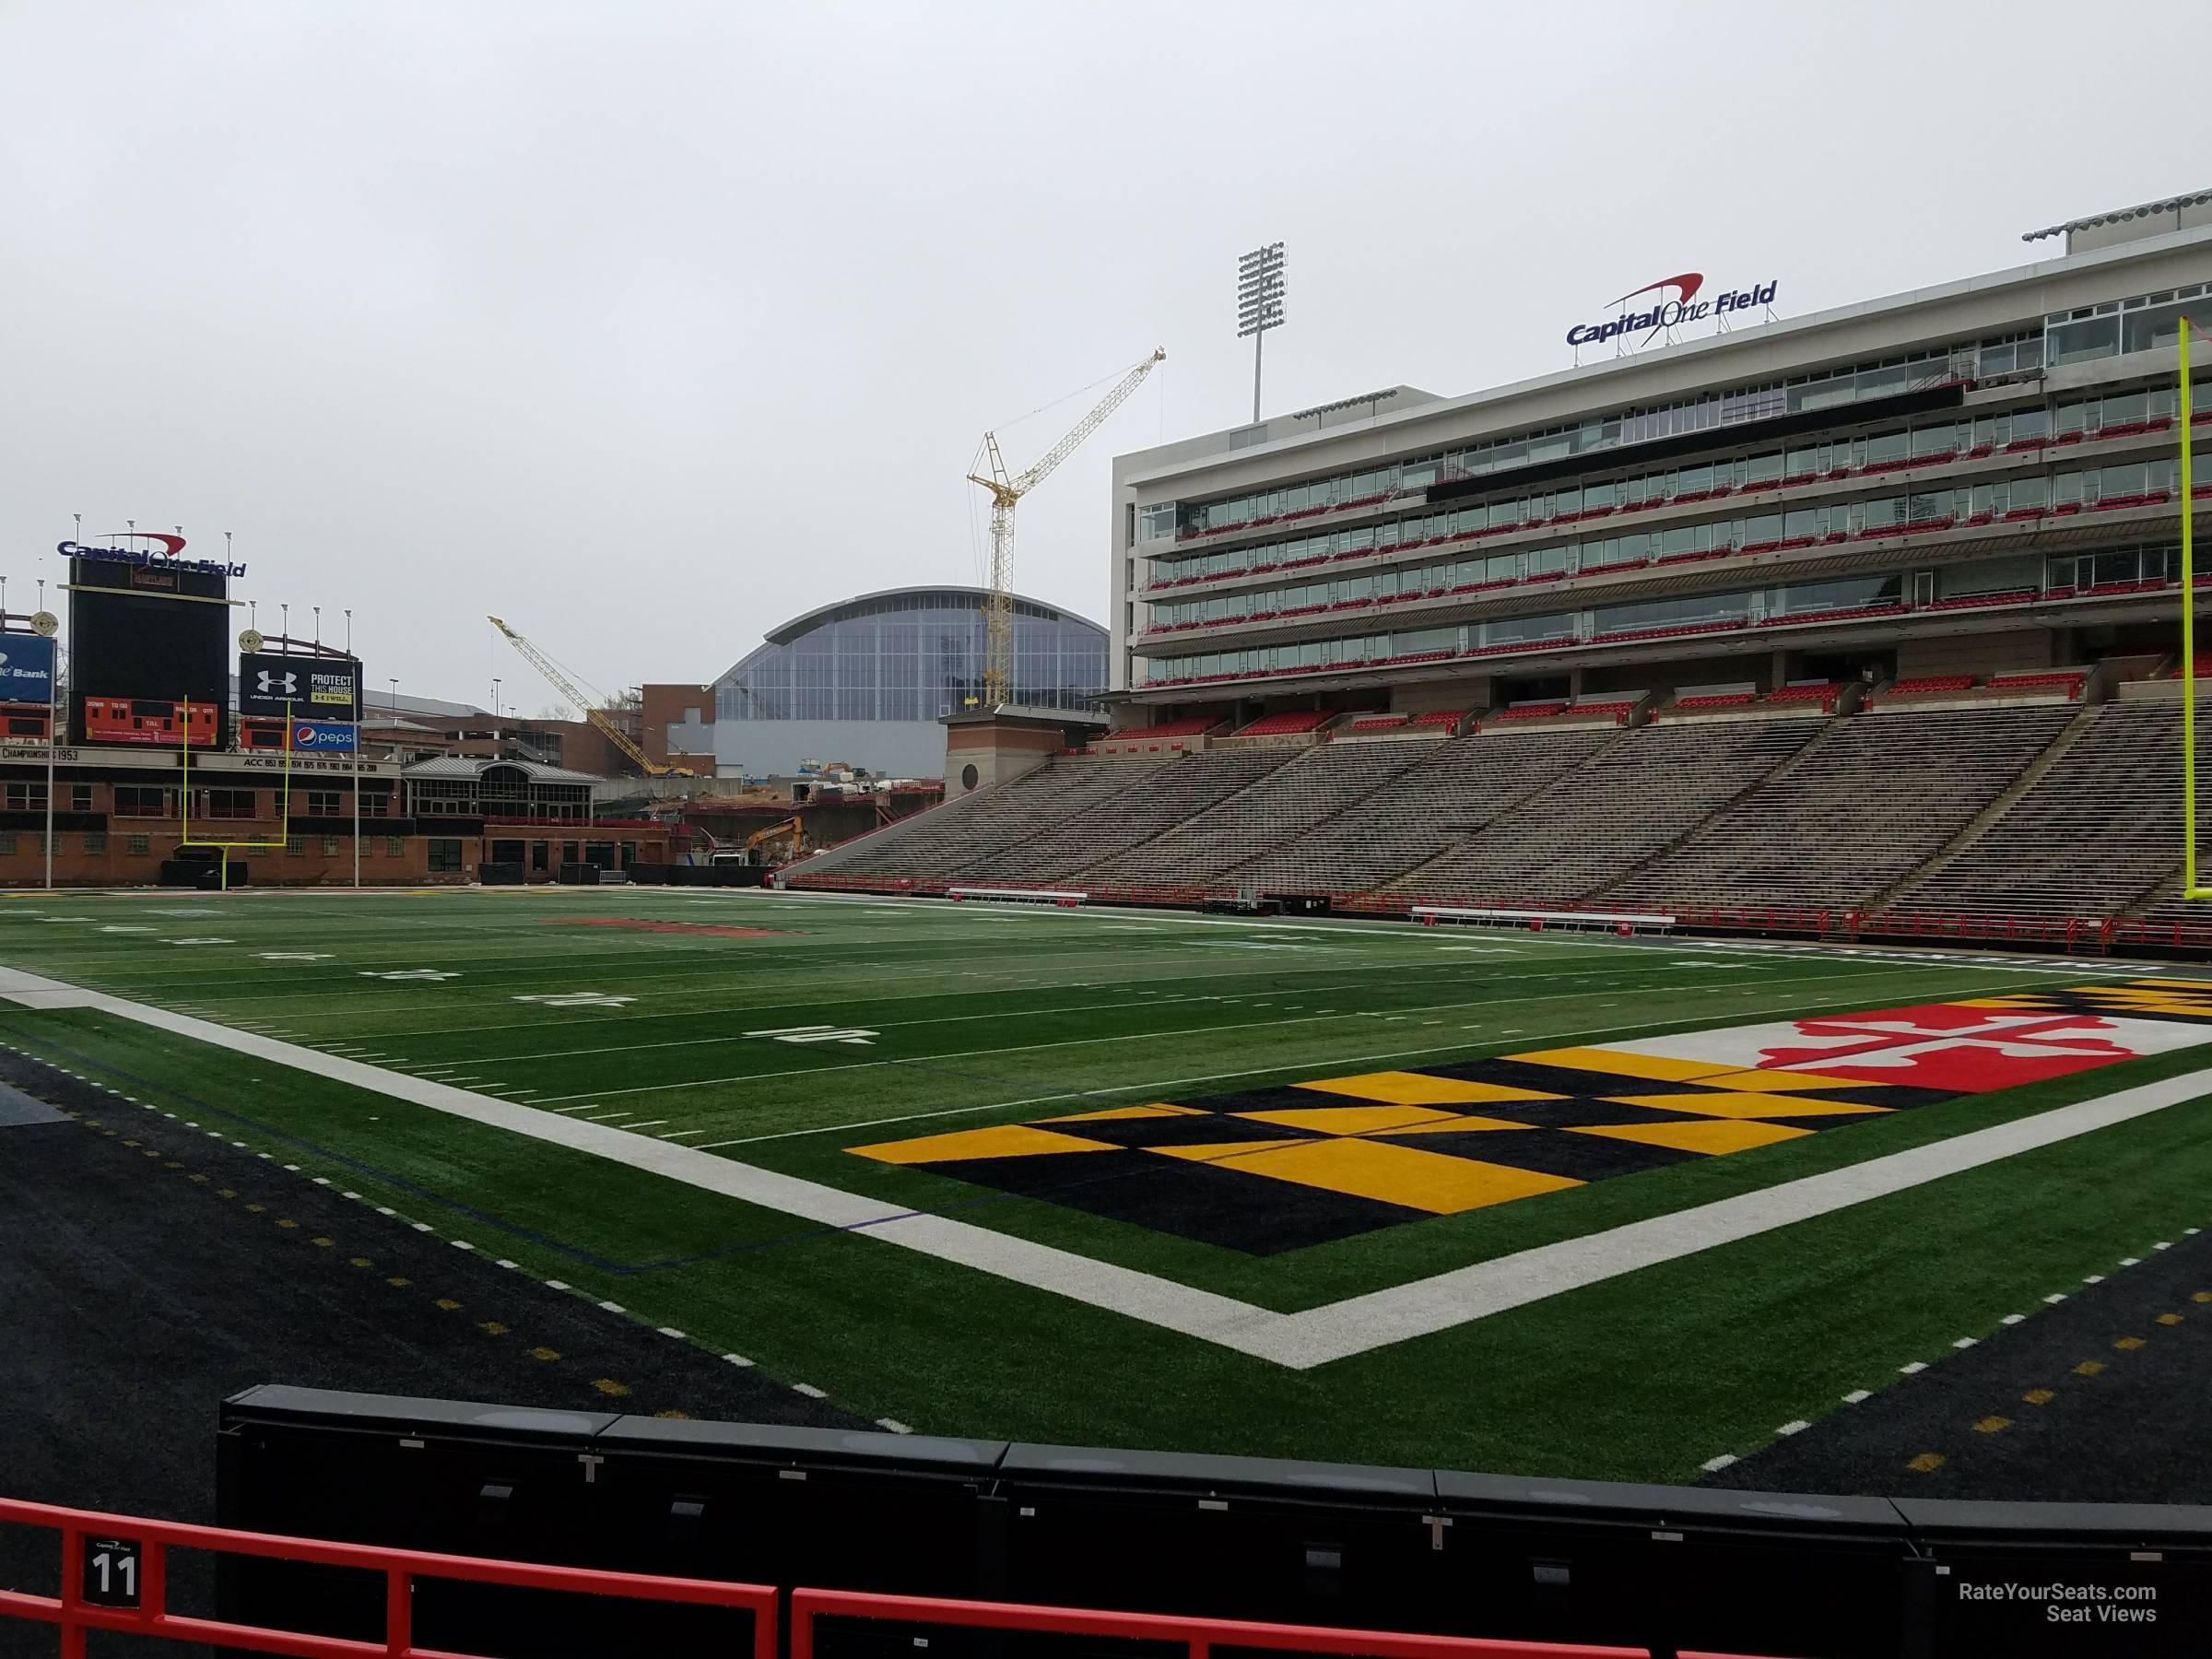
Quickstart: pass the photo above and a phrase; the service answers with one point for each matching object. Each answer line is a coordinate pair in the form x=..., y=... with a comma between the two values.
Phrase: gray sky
x=648, y=326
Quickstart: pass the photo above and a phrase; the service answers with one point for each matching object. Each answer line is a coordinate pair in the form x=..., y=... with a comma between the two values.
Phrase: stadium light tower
x=1259, y=304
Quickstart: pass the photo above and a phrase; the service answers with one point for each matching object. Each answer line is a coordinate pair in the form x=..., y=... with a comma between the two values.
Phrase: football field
x=1561, y=1205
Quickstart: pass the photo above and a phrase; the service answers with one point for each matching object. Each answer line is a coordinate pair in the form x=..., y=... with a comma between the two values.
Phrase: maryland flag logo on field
x=1272, y=1169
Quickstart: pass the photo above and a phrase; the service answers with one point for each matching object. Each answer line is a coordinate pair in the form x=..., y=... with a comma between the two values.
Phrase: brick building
x=118, y=813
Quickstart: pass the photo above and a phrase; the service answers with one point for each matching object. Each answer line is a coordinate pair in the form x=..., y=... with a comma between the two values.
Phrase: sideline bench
x=1066, y=899
x=1536, y=921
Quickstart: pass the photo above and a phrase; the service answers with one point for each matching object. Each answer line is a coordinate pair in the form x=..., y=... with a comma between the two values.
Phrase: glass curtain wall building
x=1848, y=495
x=866, y=681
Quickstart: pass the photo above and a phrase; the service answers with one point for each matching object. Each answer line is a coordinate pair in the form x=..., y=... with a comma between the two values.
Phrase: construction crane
x=583, y=700
x=1005, y=492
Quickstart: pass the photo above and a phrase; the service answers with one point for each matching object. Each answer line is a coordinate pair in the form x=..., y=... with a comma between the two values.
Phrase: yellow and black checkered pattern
x=1279, y=1169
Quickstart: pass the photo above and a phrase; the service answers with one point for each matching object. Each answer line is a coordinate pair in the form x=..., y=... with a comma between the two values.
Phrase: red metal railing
x=152, y=1540
x=2101, y=935
x=1199, y=1637
x=400, y=1567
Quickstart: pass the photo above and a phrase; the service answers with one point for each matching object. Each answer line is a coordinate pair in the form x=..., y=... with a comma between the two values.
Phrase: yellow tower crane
x=584, y=700
x=1005, y=492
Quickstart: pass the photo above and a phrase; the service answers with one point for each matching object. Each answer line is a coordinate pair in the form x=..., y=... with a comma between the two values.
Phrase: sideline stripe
x=1298, y=1341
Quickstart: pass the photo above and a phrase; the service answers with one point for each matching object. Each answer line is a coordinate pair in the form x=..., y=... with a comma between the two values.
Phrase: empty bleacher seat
x=1452, y=791
x=1195, y=727
x=1714, y=700
x=2070, y=681
x=946, y=839
x=1642, y=789
x=1872, y=801
x=1530, y=711
x=1824, y=692
x=1288, y=724
x=2096, y=835
x=1926, y=683
x=1115, y=822
x=1277, y=805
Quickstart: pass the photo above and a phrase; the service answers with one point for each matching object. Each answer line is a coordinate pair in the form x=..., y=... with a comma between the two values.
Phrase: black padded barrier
x=1433, y=1552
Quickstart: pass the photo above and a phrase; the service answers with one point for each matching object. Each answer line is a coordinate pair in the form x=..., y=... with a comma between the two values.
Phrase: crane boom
x=576, y=694
x=1005, y=494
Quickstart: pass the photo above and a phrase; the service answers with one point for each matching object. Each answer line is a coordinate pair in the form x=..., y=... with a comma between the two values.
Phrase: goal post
x=223, y=849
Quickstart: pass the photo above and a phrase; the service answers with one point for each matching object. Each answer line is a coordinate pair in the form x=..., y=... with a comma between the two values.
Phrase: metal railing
x=114, y=1577
x=128, y=1590
x=1198, y=1637
x=2097, y=934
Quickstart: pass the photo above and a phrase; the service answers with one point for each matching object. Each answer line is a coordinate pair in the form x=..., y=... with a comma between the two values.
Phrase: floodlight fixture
x=1260, y=289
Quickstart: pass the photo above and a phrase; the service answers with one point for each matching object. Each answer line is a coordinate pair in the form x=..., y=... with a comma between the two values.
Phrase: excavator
x=762, y=846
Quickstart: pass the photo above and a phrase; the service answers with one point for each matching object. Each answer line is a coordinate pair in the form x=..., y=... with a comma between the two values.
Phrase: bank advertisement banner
x=25, y=669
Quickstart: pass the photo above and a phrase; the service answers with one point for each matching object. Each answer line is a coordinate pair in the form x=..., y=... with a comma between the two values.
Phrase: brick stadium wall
x=386, y=861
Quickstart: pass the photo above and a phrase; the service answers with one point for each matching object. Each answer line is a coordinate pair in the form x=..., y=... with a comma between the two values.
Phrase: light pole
x=353, y=669
x=49, y=712
x=1259, y=304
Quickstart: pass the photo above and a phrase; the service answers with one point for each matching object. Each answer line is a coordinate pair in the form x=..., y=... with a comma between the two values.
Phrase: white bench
x=1063, y=898
x=1535, y=920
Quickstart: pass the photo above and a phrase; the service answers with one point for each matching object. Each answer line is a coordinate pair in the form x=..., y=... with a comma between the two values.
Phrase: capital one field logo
x=1682, y=306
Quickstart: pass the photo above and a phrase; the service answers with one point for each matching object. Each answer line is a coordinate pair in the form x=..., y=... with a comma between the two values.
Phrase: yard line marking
x=1024, y=1048
x=1295, y=1341
x=1153, y=1087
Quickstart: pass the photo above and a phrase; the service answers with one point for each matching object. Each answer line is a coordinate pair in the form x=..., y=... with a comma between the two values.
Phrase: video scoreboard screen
x=155, y=632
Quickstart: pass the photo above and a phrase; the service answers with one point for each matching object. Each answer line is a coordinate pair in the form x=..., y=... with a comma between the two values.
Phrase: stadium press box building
x=1974, y=479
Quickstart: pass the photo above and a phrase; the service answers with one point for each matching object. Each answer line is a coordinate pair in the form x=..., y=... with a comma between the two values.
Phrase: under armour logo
x=283, y=684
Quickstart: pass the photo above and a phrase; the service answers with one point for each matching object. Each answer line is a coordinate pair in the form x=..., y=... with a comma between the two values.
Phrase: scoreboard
x=148, y=632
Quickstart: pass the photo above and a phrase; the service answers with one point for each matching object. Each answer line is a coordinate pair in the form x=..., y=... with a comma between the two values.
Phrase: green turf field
x=1285, y=1249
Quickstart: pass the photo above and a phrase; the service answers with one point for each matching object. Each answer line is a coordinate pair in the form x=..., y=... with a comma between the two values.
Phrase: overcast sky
x=648, y=326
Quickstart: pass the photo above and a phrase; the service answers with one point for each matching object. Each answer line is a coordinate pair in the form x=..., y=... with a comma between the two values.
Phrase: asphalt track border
x=2094, y=1396
x=150, y=1269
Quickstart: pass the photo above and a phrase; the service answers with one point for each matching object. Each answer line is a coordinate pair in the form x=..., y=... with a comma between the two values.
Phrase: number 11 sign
x=111, y=1573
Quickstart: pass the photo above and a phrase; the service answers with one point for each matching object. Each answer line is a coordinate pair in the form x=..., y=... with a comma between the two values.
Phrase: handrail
x=400, y=1567
x=1199, y=1636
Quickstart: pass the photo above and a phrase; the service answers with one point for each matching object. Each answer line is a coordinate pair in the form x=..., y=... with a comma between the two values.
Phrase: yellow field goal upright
x=223, y=848
x=2189, y=890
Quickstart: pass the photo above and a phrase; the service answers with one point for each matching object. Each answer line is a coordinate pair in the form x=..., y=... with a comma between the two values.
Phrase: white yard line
x=1298, y=1341
x=1322, y=1016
